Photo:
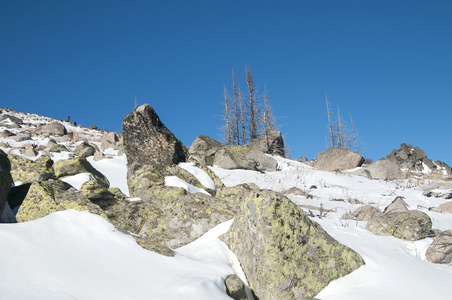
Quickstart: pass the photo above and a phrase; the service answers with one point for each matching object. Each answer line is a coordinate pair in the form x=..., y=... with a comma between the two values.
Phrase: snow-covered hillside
x=78, y=255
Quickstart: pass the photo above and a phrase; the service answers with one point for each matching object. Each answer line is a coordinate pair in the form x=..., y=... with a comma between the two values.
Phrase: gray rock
x=110, y=140
x=235, y=288
x=51, y=129
x=338, y=159
x=283, y=253
x=396, y=206
x=6, y=133
x=385, y=169
x=244, y=157
x=74, y=166
x=366, y=212
x=443, y=208
x=203, y=150
x=5, y=117
x=24, y=136
x=440, y=251
x=53, y=146
x=6, y=180
x=84, y=150
x=30, y=152
x=272, y=143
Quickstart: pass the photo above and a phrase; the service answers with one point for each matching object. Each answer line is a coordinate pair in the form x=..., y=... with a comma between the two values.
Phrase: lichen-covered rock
x=411, y=225
x=385, y=169
x=51, y=129
x=44, y=198
x=117, y=193
x=283, y=253
x=84, y=150
x=26, y=171
x=440, y=251
x=150, y=148
x=5, y=180
x=17, y=195
x=244, y=157
x=270, y=143
x=235, y=288
x=74, y=166
x=216, y=180
x=366, y=212
x=203, y=150
x=338, y=159
x=96, y=193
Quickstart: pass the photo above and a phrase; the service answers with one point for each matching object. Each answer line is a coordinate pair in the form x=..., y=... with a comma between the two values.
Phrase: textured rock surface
x=235, y=288
x=272, y=143
x=244, y=157
x=74, y=166
x=150, y=148
x=53, y=146
x=397, y=206
x=443, y=208
x=385, y=169
x=440, y=251
x=84, y=150
x=97, y=194
x=111, y=140
x=338, y=159
x=366, y=212
x=25, y=170
x=51, y=129
x=203, y=150
x=283, y=253
x=44, y=198
x=5, y=180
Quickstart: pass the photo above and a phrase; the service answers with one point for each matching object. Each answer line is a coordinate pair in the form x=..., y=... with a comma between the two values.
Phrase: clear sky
x=385, y=63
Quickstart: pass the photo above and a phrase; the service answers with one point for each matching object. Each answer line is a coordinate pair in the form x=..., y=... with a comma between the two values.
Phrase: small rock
x=440, y=251
x=235, y=288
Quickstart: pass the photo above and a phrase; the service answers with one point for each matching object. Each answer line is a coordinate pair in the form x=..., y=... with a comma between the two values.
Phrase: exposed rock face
x=396, y=206
x=5, y=180
x=414, y=159
x=244, y=157
x=150, y=148
x=282, y=252
x=111, y=140
x=338, y=159
x=44, y=198
x=51, y=129
x=84, y=150
x=440, y=251
x=74, y=166
x=272, y=143
x=97, y=194
x=26, y=171
x=235, y=288
x=385, y=169
x=203, y=149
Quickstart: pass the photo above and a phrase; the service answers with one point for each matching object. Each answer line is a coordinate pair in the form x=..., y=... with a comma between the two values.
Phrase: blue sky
x=386, y=63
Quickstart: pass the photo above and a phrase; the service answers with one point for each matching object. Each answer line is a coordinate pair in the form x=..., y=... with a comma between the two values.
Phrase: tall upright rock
x=150, y=148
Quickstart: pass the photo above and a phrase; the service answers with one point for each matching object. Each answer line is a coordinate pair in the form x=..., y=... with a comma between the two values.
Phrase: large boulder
x=5, y=119
x=244, y=157
x=203, y=150
x=385, y=169
x=150, y=148
x=283, y=253
x=440, y=251
x=445, y=207
x=44, y=198
x=53, y=146
x=6, y=180
x=27, y=171
x=84, y=150
x=270, y=143
x=338, y=159
x=110, y=140
x=76, y=165
x=51, y=129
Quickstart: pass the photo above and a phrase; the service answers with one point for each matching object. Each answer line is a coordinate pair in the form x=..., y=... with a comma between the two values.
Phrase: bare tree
x=269, y=121
x=226, y=116
x=236, y=110
x=355, y=144
x=242, y=117
x=330, y=122
x=252, y=104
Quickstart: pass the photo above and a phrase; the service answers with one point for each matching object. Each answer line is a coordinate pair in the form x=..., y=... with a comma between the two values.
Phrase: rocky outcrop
x=283, y=253
x=235, y=288
x=440, y=251
x=414, y=160
x=244, y=157
x=271, y=143
x=26, y=171
x=51, y=129
x=203, y=150
x=110, y=140
x=150, y=148
x=385, y=169
x=6, y=180
x=44, y=198
x=53, y=146
x=84, y=150
x=74, y=166
x=338, y=159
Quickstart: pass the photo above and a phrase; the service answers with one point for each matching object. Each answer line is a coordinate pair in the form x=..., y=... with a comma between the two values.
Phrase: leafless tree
x=226, y=116
x=252, y=104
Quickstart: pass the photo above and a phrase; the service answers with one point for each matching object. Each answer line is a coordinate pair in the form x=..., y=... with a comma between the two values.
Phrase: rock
x=17, y=195
x=30, y=152
x=412, y=225
x=51, y=129
x=244, y=157
x=283, y=253
x=26, y=171
x=366, y=212
x=6, y=134
x=74, y=166
x=272, y=143
x=97, y=194
x=53, y=146
x=235, y=288
x=84, y=150
x=93, y=127
x=5, y=118
x=117, y=193
x=443, y=208
x=150, y=148
x=110, y=140
x=385, y=169
x=295, y=191
x=203, y=150
x=23, y=136
x=44, y=198
x=435, y=186
x=396, y=206
x=6, y=180
x=338, y=159
x=99, y=156
x=414, y=159
x=440, y=251
x=4, y=145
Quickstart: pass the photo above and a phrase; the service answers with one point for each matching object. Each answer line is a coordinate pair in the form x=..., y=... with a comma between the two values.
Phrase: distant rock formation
x=338, y=159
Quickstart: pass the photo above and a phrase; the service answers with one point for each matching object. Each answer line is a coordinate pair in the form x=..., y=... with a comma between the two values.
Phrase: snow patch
x=177, y=182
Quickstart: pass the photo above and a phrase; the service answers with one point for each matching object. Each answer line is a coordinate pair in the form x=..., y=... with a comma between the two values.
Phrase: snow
x=177, y=182
x=115, y=169
x=202, y=176
x=77, y=180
